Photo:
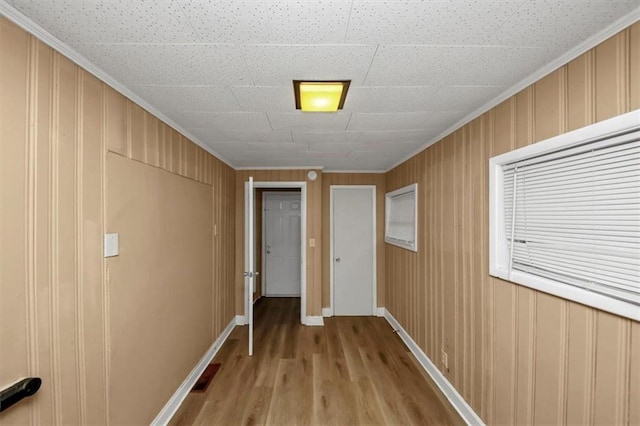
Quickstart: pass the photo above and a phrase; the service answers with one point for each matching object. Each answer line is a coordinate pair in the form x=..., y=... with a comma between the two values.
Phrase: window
x=565, y=216
x=401, y=212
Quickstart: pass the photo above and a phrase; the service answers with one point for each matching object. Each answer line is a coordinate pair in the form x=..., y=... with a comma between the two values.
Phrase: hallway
x=354, y=370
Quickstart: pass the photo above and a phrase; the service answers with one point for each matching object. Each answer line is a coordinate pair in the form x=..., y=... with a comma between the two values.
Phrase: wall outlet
x=312, y=242
x=444, y=358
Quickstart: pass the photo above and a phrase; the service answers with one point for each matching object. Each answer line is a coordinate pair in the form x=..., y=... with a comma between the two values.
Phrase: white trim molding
x=450, y=392
x=313, y=320
x=170, y=408
x=381, y=312
x=327, y=312
x=241, y=320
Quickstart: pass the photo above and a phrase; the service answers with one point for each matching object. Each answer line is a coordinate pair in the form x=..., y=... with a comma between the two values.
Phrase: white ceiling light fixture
x=320, y=96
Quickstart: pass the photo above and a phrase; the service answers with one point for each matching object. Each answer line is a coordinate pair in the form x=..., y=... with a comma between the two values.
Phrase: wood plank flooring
x=352, y=371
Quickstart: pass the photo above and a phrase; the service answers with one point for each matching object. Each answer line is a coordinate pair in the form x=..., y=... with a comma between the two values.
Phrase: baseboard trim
x=241, y=320
x=456, y=400
x=327, y=312
x=169, y=410
x=381, y=312
x=314, y=320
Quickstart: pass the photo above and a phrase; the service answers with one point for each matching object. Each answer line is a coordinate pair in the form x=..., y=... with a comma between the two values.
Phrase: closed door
x=282, y=244
x=353, y=250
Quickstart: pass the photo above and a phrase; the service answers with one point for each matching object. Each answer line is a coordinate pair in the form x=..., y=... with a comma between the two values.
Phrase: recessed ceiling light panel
x=320, y=96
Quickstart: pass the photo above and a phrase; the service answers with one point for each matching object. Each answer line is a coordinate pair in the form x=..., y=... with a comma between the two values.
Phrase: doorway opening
x=257, y=286
x=278, y=242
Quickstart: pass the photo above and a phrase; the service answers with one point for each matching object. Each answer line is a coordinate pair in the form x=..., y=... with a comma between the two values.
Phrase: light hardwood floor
x=352, y=371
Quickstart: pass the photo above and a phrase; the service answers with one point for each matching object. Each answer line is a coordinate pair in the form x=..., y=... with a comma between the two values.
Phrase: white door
x=282, y=228
x=250, y=274
x=353, y=249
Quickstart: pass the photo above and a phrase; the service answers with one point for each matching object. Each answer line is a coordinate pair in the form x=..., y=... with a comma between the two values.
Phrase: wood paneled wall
x=516, y=355
x=314, y=223
x=377, y=179
x=59, y=317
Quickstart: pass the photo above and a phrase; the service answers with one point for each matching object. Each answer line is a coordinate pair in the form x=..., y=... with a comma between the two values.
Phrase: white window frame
x=498, y=246
x=389, y=196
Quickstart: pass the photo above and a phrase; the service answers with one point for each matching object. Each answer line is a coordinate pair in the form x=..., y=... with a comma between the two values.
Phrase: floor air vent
x=203, y=382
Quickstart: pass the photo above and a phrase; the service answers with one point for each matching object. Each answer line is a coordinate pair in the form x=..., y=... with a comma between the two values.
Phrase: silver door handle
x=268, y=249
x=338, y=259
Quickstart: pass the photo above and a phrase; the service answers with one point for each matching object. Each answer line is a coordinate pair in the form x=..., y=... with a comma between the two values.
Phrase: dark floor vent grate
x=203, y=382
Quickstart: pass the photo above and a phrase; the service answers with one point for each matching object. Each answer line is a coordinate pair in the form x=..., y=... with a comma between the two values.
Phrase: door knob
x=338, y=259
x=268, y=249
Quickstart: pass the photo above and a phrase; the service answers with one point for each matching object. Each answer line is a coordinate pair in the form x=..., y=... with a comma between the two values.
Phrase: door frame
x=263, y=263
x=303, y=237
x=373, y=188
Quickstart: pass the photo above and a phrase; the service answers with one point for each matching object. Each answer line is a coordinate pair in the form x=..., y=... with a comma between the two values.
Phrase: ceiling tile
x=279, y=65
x=226, y=120
x=326, y=137
x=560, y=24
x=408, y=66
x=146, y=21
x=66, y=19
x=177, y=64
x=465, y=98
x=189, y=98
x=275, y=148
x=398, y=135
x=228, y=22
x=403, y=121
x=309, y=122
x=455, y=65
x=391, y=99
x=262, y=98
x=427, y=22
x=308, y=22
x=112, y=21
x=232, y=136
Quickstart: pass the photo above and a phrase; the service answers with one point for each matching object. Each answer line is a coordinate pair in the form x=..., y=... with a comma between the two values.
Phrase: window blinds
x=576, y=216
x=401, y=223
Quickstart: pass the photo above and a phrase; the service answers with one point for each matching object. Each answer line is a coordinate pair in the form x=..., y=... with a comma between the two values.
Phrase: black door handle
x=20, y=390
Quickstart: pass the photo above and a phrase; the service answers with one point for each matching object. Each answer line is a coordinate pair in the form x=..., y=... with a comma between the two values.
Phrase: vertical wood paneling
x=580, y=92
x=581, y=352
x=536, y=358
x=611, y=76
x=151, y=140
x=136, y=131
x=116, y=122
x=67, y=240
x=57, y=123
x=549, y=404
x=634, y=66
x=14, y=84
x=634, y=374
x=42, y=207
x=611, y=397
x=91, y=249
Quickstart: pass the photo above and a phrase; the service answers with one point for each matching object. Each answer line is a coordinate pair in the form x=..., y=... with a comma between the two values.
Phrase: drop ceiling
x=222, y=71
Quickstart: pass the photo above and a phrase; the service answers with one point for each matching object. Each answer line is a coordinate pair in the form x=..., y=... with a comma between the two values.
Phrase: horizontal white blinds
x=577, y=216
x=402, y=221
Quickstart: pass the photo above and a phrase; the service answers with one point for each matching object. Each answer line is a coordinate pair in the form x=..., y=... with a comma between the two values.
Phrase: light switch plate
x=111, y=245
x=312, y=242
